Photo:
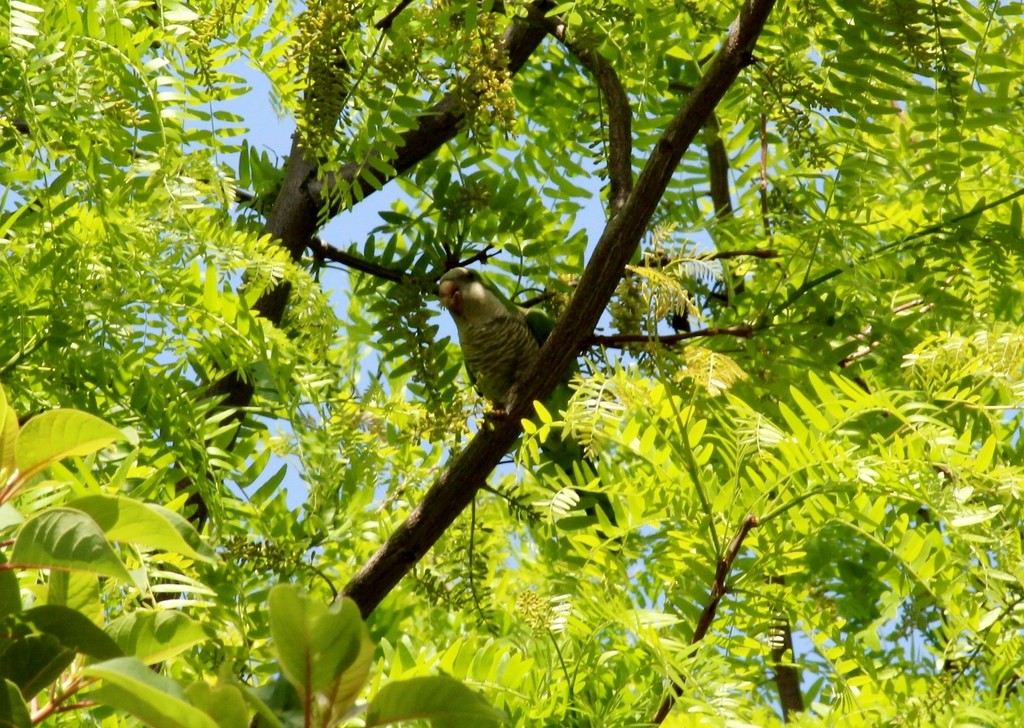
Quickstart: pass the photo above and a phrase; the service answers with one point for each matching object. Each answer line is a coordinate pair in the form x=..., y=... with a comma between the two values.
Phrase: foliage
x=56, y=648
x=838, y=352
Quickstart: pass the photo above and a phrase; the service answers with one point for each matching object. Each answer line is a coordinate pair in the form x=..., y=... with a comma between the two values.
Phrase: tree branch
x=787, y=676
x=325, y=251
x=661, y=260
x=763, y=180
x=437, y=126
x=354, y=262
x=707, y=616
x=871, y=344
x=718, y=168
x=620, y=134
x=619, y=340
x=468, y=471
x=385, y=22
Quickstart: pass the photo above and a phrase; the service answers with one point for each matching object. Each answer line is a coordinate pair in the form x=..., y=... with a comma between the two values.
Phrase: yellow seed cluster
x=324, y=29
x=202, y=41
x=535, y=610
x=485, y=93
x=628, y=305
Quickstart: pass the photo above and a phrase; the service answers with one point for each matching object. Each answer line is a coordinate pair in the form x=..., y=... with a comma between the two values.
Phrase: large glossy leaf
x=443, y=700
x=129, y=685
x=79, y=590
x=144, y=524
x=152, y=636
x=8, y=437
x=33, y=661
x=74, y=630
x=63, y=538
x=319, y=647
x=225, y=703
x=13, y=711
x=10, y=592
x=9, y=517
x=61, y=433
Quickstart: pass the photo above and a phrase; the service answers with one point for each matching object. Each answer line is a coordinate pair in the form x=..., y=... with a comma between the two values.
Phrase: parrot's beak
x=450, y=296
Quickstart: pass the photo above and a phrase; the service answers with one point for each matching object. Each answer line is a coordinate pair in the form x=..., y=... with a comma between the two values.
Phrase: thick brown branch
x=468, y=471
x=718, y=168
x=787, y=676
x=718, y=590
x=752, y=253
x=620, y=119
x=619, y=340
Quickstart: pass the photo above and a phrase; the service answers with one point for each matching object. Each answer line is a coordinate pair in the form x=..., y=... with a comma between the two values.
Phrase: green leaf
x=226, y=704
x=810, y=410
x=153, y=636
x=74, y=630
x=61, y=433
x=443, y=700
x=10, y=591
x=33, y=661
x=320, y=648
x=63, y=538
x=13, y=711
x=8, y=437
x=131, y=686
x=78, y=590
x=9, y=517
x=144, y=524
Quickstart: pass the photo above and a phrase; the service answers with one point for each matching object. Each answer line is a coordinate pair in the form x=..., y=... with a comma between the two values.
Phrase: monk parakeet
x=499, y=341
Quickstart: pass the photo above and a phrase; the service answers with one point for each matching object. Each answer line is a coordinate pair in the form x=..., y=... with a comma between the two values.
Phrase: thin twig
x=479, y=257
x=763, y=187
x=661, y=259
x=385, y=22
x=865, y=333
x=615, y=341
x=718, y=590
x=354, y=262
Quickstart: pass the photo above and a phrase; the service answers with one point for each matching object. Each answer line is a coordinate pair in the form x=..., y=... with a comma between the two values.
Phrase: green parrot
x=499, y=341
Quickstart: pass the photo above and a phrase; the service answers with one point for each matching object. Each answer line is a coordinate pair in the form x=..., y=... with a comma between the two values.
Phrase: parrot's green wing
x=538, y=321
x=540, y=324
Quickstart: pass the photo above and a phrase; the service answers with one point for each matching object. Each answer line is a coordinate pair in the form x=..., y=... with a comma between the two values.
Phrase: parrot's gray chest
x=496, y=352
